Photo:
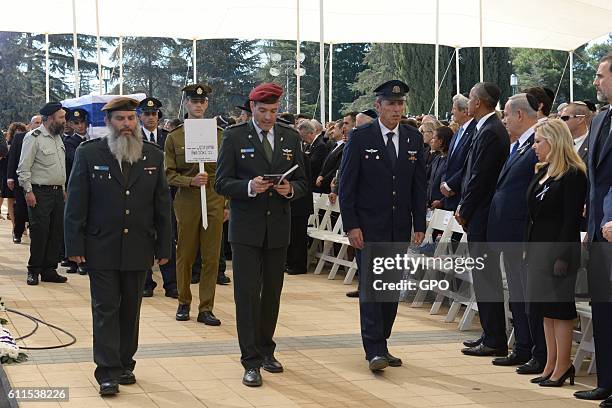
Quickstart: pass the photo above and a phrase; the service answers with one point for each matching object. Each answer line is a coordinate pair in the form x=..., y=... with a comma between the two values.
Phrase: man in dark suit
x=457, y=153
x=118, y=221
x=600, y=261
x=507, y=214
x=577, y=116
x=331, y=162
x=260, y=218
x=149, y=114
x=20, y=209
x=487, y=156
x=301, y=208
x=317, y=153
x=382, y=198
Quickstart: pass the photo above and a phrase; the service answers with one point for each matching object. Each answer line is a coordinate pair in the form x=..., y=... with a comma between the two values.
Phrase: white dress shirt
x=483, y=120
x=579, y=141
x=148, y=134
x=521, y=140
x=394, y=139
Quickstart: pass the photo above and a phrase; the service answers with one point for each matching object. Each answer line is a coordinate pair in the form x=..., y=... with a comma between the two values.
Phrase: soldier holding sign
x=187, y=207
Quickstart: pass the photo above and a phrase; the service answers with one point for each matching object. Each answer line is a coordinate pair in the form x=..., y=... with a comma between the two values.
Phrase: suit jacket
x=453, y=173
x=508, y=212
x=600, y=176
x=487, y=156
x=71, y=143
x=330, y=166
x=317, y=152
x=13, y=157
x=435, y=178
x=105, y=214
x=583, y=152
x=384, y=202
x=161, y=137
x=303, y=206
x=607, y=208
x=263, y=220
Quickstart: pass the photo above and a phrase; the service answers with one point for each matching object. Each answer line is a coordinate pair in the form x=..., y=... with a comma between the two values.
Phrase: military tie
x=266, y=145
x=391, y=149
x=152, y=137
x=125, y=169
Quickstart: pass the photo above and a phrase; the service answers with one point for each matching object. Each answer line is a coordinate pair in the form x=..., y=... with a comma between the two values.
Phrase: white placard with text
x=201, y=140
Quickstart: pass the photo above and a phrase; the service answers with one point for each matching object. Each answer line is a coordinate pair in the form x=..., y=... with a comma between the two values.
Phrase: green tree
x=348, y=62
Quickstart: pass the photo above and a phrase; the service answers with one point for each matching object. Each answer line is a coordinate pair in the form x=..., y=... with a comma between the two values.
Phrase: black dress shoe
x=607, y=403
x=473, y=342
x=598, y=393
x=252, y=377
x=172, y=293
x=53, y=277
x=66, y=263
x=147, y=292
x=82, y=270
x=272, y=365
x=127, y=378
x=223, y=280
x=208, y=318
x=378, y=363
x=353, y=294
x=32, y=278
x=16, y=240
x=511, y=359
x=393, y=361
x=539, y=379
x=569, y=373
x=531, y=367
x=182, y=313
x=483, y=351
x=195, y=279
x=72, y=269
x=109, y=388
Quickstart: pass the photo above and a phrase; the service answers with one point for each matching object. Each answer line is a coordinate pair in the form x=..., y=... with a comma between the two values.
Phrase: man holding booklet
x=254, y=172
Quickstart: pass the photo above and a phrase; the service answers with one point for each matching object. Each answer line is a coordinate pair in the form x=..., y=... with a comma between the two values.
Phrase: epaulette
x=35, y=132
x=176, y=128
x=236, y=125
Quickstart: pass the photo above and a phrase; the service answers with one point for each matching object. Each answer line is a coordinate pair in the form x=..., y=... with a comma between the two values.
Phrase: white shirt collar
x=521, y=140
x=259, y=130
x=466, y=124
x=578, y=141
x=386, y=130
x=483, y=120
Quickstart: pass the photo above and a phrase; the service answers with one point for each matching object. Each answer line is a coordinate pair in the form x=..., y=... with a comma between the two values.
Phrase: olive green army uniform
x=191, y=234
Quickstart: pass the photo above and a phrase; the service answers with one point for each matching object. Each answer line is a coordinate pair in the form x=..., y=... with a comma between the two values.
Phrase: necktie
x=266, y=145
x=457, y=140
x=391, y=148
x=602, y=137
x=514, y=149
x=125, y=170
x=152, y=137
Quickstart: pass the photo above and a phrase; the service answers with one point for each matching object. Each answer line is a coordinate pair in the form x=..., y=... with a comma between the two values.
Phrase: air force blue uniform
x=385, y=201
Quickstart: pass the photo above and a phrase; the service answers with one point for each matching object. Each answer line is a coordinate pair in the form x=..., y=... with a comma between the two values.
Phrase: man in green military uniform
x=187, y=206
x=260, y=222
x=42, y=174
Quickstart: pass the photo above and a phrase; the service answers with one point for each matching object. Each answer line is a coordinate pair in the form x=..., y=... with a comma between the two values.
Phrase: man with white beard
x=118, y=222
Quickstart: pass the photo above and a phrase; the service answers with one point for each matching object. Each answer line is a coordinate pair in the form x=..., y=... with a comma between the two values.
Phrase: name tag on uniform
x=412, y=155
x=101, y=168
x=150, y=170
x=247, y=150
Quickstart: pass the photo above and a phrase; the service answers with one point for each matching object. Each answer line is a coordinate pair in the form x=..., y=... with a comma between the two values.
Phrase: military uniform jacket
x=265, y=218
x=71, y=143
x=117, y=224
x=180, y=173
x=384, y=202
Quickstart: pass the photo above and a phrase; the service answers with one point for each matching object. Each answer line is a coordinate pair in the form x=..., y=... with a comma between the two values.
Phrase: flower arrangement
x=9, y=350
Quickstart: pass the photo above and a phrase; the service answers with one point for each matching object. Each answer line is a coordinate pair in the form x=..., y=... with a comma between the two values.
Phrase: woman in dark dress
x=5, y=192
x=439, y=143
x=555, y=200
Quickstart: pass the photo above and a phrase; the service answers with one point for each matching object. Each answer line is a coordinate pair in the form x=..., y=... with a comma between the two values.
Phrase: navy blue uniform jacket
x=384, y=202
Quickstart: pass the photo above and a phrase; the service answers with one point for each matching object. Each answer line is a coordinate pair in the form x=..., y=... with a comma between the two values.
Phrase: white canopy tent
x=550, y=24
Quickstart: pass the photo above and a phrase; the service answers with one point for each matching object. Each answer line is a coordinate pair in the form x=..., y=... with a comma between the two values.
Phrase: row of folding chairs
x=330, y=245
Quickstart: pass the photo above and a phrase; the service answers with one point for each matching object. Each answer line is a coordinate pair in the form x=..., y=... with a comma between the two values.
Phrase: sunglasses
x=565, y=118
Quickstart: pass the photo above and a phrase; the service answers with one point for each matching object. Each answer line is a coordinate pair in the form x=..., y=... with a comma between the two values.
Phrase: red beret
x=266, y=93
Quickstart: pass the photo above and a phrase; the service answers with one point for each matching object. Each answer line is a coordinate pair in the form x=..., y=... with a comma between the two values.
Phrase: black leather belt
x=47, y=187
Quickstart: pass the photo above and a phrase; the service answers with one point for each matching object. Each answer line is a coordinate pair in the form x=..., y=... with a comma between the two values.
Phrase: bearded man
x=42, y=175
x=118, y=222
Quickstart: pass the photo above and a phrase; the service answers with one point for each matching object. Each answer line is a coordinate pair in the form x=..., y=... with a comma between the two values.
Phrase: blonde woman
x=555, y=200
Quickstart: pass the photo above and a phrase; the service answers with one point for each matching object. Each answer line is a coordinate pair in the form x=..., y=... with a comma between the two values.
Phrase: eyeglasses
x=565, y=118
